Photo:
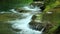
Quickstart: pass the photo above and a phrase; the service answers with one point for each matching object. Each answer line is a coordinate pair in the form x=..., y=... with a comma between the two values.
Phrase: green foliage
x=51, y=31
x=9, y=4
x=50, y=4
x=5, y=28
x=54, y=19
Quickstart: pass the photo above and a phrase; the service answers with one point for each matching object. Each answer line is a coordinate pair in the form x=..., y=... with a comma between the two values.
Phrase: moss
x=51, y=5
x=10, y=16
x=54, y=19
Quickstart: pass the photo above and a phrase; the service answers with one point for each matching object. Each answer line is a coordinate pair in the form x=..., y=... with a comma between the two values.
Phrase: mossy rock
x=10, y=16
x=53, y=19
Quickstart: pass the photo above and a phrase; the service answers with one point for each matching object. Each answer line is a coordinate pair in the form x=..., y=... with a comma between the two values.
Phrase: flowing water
x=23, y=24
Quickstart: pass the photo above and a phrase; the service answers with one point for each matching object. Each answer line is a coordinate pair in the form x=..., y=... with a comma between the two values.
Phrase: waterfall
x=23, y=24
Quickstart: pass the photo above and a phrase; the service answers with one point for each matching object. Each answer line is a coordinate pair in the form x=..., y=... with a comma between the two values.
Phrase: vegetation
x=54, y=7
x=10, y=4
x=50, y=6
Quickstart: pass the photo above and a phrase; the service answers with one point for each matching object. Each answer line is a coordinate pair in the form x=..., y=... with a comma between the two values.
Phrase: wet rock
x=36, y=26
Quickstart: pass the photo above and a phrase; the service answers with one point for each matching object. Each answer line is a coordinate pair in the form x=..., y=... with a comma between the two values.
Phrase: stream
x=22, y=25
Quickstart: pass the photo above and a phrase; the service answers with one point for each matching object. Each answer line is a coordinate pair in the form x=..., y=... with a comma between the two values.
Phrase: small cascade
x=23, y=24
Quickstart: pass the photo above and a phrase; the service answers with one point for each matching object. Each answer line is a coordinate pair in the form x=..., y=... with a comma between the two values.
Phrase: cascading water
x=23, y=24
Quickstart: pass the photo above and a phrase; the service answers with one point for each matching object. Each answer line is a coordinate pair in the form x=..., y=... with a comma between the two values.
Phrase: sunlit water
x=23, y=24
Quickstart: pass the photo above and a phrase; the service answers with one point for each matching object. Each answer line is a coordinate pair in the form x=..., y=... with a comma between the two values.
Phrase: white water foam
x=23, y=24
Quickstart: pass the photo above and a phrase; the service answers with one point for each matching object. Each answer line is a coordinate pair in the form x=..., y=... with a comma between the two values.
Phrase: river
x=22, y=25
